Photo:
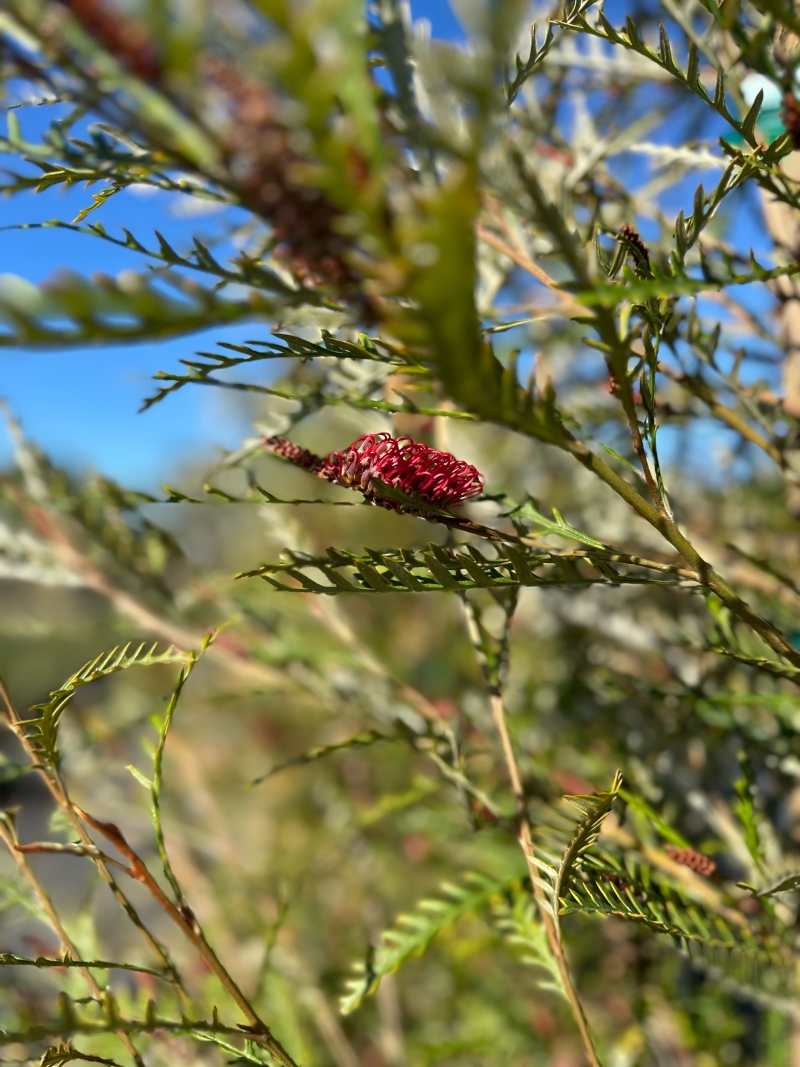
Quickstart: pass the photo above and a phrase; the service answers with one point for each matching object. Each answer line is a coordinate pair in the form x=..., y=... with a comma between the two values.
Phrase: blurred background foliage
x=499, y=247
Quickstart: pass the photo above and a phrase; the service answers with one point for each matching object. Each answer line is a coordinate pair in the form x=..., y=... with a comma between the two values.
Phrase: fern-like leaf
x=755, y=958
x=241, y=270
x=593, y=809
x=42, y=731
x=437, y=569
x=413, y=933
x=517, y=920
x=664, y=58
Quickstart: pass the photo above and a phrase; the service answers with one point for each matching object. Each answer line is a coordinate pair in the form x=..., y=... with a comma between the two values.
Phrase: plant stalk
x=185, y=919
x=58, y=790
x=526, y=844
x=9, y=836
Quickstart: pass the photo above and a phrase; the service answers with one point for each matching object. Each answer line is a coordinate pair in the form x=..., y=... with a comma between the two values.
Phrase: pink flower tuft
x=437, y=477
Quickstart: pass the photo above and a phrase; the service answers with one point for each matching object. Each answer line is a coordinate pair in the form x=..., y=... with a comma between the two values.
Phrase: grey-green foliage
x=109, y=309
x=417, y=202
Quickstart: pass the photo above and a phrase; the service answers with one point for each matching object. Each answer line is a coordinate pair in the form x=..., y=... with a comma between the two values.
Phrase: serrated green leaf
x=529, y=513
x=413, y=933
x=448, y=570
x=42, y=731
x=142, y=779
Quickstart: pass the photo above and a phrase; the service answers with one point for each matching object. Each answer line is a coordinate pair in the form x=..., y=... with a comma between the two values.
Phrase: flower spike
x=437, y=477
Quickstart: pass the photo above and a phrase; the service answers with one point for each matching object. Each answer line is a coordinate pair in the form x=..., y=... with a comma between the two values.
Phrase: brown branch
x=58, y=790
x=697, y=387
x=8, y=833
x=526, y=844
x=181, y=915
x=185, y=919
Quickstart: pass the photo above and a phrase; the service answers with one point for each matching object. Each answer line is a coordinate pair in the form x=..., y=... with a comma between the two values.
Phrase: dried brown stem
x=526, y=844
x=58, y=790
x=8, y=834
x=567, y=304
x=525, y=838
x=184, y=918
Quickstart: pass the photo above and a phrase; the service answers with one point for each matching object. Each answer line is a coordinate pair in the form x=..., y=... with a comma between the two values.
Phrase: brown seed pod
x=126, y=40
x=301, y=457
x=695, y=861
x=271, y=174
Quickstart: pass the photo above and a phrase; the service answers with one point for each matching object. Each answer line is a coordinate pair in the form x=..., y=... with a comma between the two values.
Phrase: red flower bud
x=437, y=477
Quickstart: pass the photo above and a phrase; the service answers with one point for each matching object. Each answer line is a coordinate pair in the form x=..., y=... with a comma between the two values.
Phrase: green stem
x=667, y=527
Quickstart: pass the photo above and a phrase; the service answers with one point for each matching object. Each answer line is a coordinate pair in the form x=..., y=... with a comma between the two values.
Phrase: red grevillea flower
x=437, y=477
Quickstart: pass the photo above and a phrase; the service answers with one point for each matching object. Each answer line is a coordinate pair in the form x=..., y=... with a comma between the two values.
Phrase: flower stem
x=525, y=839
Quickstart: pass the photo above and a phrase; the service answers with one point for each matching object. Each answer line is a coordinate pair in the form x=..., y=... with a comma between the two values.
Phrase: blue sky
x=81, y=405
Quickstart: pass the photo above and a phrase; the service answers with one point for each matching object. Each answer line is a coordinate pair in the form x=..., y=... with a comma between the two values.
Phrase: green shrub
x=534, y=749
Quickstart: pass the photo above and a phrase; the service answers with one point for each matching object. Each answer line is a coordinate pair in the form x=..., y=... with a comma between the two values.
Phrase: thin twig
x=568, y=303
x=185, y=919
x=58, y=790
x=526, y=844
x=8, y=833
x=181, y=914
x=525, y=837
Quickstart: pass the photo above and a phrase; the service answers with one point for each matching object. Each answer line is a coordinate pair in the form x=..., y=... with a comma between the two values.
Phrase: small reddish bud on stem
x=692, y=859
x=301, y=457
x=418, y=470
